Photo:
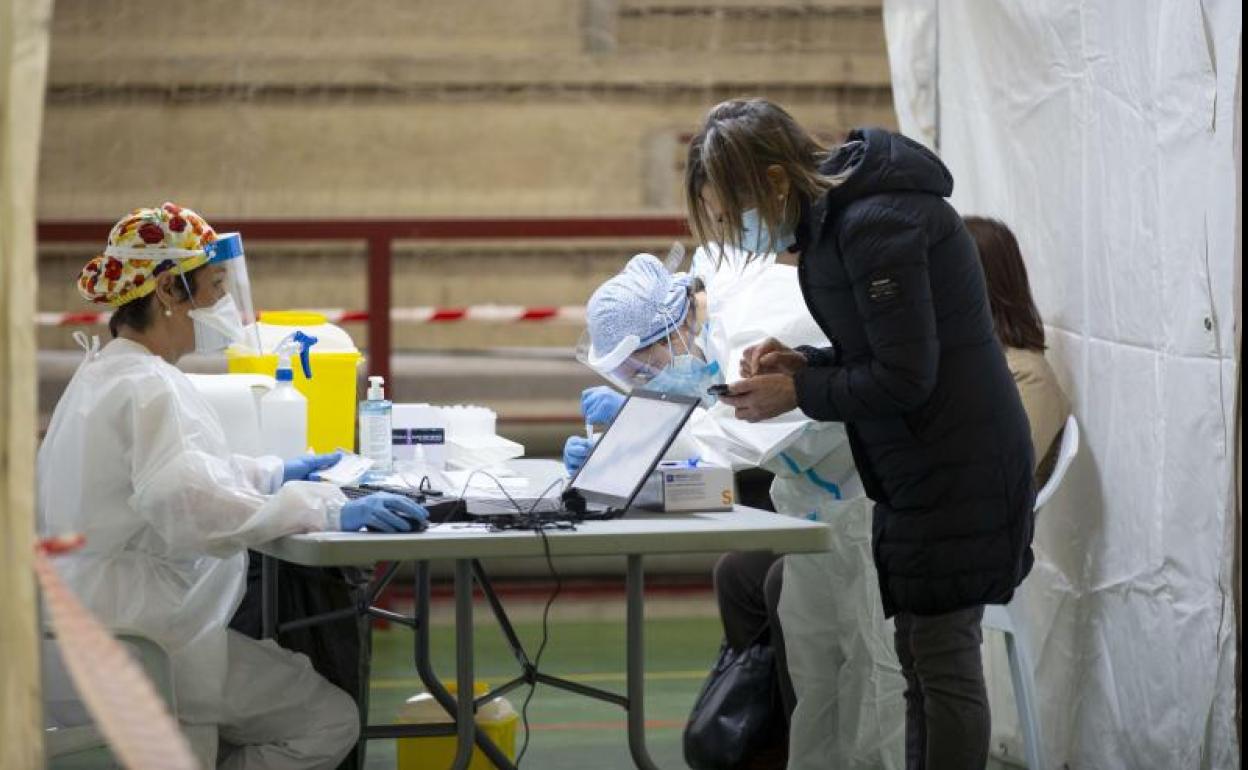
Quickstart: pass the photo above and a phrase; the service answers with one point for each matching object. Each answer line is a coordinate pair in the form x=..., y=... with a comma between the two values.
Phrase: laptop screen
x=630, y=449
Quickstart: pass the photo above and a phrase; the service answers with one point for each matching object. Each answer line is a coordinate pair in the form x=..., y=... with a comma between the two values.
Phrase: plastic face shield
x=630, y=365
x=227, y=252
x=626, y=367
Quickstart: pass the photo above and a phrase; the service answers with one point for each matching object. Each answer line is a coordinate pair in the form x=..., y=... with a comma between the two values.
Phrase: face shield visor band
x=623, y=366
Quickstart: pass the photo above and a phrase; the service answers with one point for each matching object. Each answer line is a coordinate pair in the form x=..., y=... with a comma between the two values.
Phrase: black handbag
x=736, y=710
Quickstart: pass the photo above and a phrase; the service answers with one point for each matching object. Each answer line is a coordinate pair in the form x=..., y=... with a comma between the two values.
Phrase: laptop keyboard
x=353, y=493
x=484, y=506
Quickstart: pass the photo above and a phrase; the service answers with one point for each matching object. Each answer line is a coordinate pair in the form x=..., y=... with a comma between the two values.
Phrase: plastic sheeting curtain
x=1105, y=135
x=1237, y=570
x=23, y=68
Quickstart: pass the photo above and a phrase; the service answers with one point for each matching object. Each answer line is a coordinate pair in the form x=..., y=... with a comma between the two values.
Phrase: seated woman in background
x=1021, y=332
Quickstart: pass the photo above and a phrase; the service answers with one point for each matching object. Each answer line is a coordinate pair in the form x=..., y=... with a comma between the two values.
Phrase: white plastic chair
x=1001, y=618
x=152, y=658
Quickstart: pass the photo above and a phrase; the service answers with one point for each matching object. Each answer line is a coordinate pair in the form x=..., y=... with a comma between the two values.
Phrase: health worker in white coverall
x=840, y=680
x=137, y=462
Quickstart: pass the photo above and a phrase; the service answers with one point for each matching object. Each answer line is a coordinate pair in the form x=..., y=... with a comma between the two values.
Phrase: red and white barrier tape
x=568, y=314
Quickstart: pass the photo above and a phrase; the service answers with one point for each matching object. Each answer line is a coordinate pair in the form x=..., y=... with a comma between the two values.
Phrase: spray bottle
x=284, y=410
x=375, y=424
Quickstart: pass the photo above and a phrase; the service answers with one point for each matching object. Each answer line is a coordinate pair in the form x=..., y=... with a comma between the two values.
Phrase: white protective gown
x=850, y=711
x=136, y=460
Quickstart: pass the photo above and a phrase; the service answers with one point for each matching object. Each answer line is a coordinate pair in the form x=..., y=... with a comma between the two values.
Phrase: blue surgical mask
x=688, y=375
x=756, y=237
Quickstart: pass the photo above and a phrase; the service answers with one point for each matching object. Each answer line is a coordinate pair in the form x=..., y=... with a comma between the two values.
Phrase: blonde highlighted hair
x=739, y=141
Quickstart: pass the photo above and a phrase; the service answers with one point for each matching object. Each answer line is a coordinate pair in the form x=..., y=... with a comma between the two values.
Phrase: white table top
x=636, y=533
x=639, y=532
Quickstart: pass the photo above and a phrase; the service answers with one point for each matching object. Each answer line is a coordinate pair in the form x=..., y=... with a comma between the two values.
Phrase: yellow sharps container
x=331, y=392
x=496, y=718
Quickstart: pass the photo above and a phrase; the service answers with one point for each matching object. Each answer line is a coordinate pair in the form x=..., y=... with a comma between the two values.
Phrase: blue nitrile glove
x=575, y=450
x=383, y=511
x=303, y=467
x=600, y=405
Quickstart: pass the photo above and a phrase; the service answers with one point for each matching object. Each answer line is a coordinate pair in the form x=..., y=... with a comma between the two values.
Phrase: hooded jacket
x=916, y=373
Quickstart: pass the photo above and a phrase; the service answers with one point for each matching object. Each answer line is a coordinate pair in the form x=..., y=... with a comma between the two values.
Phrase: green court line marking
x=657, y=676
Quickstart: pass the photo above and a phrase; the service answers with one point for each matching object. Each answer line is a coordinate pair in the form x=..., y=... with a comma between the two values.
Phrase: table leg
x=268, y=597
x=465, y=718
x=364, y=636
x=424, y=666
x=636, y=654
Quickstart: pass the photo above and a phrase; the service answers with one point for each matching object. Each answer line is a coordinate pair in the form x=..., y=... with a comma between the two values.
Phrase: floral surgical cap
x=141, y=246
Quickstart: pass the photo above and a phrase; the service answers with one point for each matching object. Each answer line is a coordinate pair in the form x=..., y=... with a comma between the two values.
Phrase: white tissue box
x=677, y=488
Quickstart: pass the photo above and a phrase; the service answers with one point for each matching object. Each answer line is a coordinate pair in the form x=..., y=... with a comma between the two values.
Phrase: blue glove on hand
x=383, y=512
x=575, y=450
x=303, y=467
x=601, y=404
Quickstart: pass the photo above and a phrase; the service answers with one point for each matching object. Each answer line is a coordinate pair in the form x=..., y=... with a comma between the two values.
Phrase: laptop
x=617, y=467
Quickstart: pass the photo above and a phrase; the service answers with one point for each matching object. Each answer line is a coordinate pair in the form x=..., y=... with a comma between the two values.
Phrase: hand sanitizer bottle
x=375, y=427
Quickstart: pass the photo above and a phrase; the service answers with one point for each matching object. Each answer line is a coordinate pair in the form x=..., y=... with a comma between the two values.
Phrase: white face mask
x=218, y=326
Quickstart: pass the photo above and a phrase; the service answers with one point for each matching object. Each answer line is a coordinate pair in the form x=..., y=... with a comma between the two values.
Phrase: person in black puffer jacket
x=937, y=428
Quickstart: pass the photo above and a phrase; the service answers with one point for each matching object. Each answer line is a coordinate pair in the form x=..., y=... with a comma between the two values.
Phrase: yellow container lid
x=292, y=317
x=276, y=325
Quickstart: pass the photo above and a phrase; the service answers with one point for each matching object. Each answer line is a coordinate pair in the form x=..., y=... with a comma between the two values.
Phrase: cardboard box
x=678, y=488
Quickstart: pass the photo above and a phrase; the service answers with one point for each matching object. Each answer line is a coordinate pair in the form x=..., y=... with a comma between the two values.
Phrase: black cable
x=463, y=493
x=534, y=522
x=514, y=504
x=528, y=519
x=540, y=527
x=541, y=648
x=538, y=500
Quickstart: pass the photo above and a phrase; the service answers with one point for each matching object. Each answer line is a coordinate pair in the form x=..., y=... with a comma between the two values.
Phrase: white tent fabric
x=1237, y=566
x=1104, y=135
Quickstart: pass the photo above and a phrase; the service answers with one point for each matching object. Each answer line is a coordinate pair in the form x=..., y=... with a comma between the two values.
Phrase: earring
x=168, y=313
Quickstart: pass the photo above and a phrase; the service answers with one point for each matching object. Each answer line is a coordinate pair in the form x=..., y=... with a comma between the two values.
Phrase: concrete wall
x=395, y=108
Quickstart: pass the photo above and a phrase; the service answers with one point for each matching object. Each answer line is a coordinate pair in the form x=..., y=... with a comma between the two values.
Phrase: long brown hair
x=739, y=140
x=1014, y=311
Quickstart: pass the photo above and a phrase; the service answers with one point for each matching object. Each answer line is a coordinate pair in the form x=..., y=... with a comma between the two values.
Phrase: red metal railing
x=379, y=236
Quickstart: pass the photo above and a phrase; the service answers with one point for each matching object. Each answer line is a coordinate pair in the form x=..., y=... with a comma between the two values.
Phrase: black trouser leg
x=772, y=584
x=747, y=587
x=947, y=719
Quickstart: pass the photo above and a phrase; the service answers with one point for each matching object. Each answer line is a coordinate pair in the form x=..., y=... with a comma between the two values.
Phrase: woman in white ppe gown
x=136, y=460
x=838, y=646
